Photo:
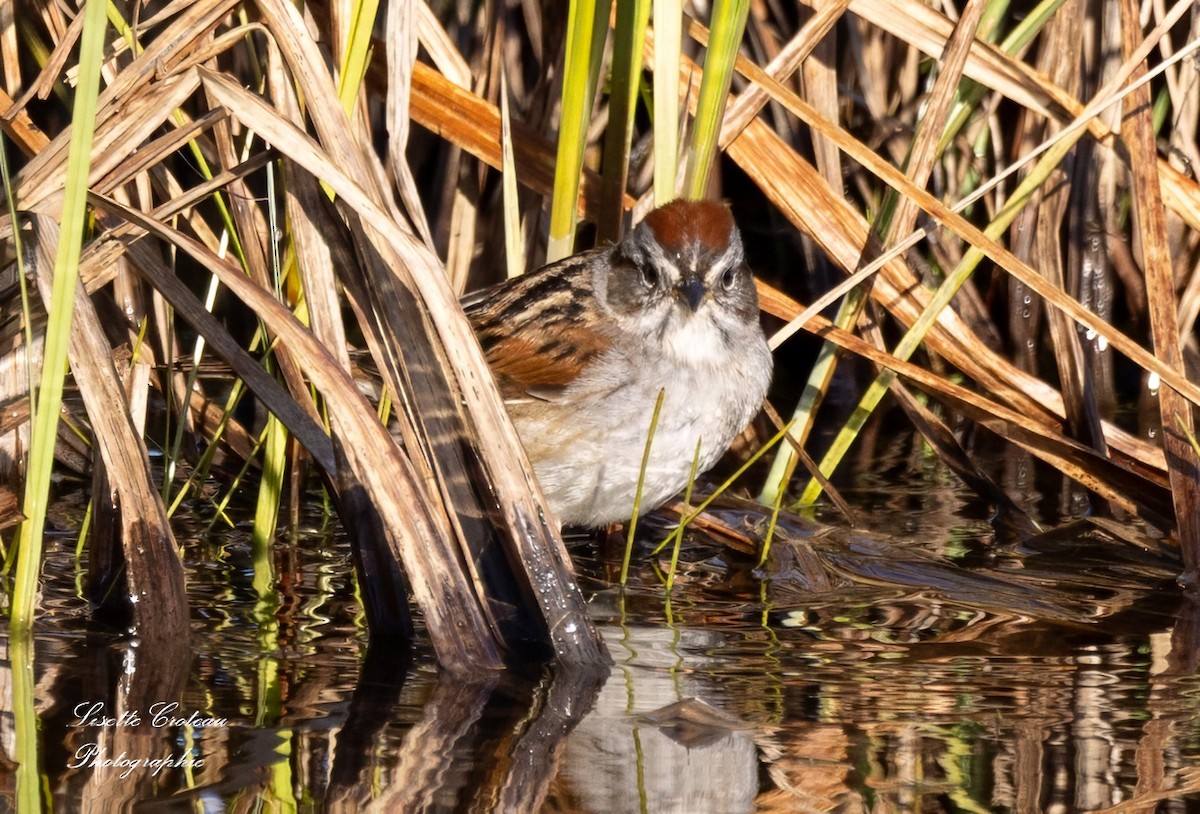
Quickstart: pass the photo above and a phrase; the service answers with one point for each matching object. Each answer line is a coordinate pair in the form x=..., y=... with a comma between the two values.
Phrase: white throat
x=695, y=339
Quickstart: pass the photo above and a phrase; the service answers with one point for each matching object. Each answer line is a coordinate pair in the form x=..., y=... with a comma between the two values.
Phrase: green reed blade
x=357, y=52
x=668, y=44
x=266, y=510
x=235, y=483
x=18, y=240
x=171, y=453
x=1187, y=431
x=687, y=501
x=805, y=413
x=8, y=554
x=44, y=429
x=587, y=28
x=629, y=37
x=692, y=514
x=728, y=27
x=785, y=478
x=513, y=251
x=172, y=456
x=971, y=92
x=274, y=463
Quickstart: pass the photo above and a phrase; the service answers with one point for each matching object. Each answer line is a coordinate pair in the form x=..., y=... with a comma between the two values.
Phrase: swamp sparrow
x=582, y=347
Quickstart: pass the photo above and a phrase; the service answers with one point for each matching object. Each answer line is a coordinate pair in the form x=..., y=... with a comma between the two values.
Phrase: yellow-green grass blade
x=728, y=26
x=587, y=27
x=629, y=38
x=1187, y=431
x=44, y=430
x=202, y=466
x=637, y=496
x=357, y=52
x=266, y=511
x=776, y=503
x=687, y=501
x=1050, y=155
x=668, y=43
x=274, y=464
x=513, y=252
x=804, y=415
x=123, y=28
x=36, y=48
x=8, y=554
x=234, y=488
x=884, y=225
x=210, y=299
x=171, y=454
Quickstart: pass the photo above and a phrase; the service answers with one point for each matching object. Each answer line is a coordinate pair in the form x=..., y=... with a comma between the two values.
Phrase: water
x=915, y=665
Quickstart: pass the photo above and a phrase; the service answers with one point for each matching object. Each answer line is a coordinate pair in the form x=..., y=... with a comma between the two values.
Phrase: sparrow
x=582, y=348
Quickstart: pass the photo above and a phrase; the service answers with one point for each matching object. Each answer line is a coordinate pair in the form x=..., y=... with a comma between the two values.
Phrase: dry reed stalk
x=1139, y=487
x=141, y=569
x=1178, y=424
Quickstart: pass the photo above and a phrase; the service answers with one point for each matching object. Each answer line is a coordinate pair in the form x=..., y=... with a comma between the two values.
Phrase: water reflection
x=753, y=690
x=624, y=757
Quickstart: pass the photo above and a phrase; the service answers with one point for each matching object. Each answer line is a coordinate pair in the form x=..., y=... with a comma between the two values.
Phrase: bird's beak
x=692, y=292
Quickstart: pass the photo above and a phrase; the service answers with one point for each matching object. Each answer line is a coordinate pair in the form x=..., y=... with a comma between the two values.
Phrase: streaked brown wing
x=536, y=331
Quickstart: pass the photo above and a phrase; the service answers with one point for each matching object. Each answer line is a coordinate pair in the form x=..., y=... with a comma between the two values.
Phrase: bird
x=582, y=349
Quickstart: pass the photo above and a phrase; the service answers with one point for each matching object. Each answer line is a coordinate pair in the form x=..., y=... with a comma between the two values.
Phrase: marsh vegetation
x=236, y=232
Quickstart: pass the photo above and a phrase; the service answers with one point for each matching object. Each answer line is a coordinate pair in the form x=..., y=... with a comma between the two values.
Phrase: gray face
x=699, y=290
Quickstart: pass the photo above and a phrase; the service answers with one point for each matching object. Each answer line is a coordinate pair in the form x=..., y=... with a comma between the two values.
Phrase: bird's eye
x=649, y=276
x=729, y=278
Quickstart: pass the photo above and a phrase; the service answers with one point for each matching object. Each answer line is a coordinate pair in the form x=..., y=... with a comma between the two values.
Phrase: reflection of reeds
x=830, y=117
